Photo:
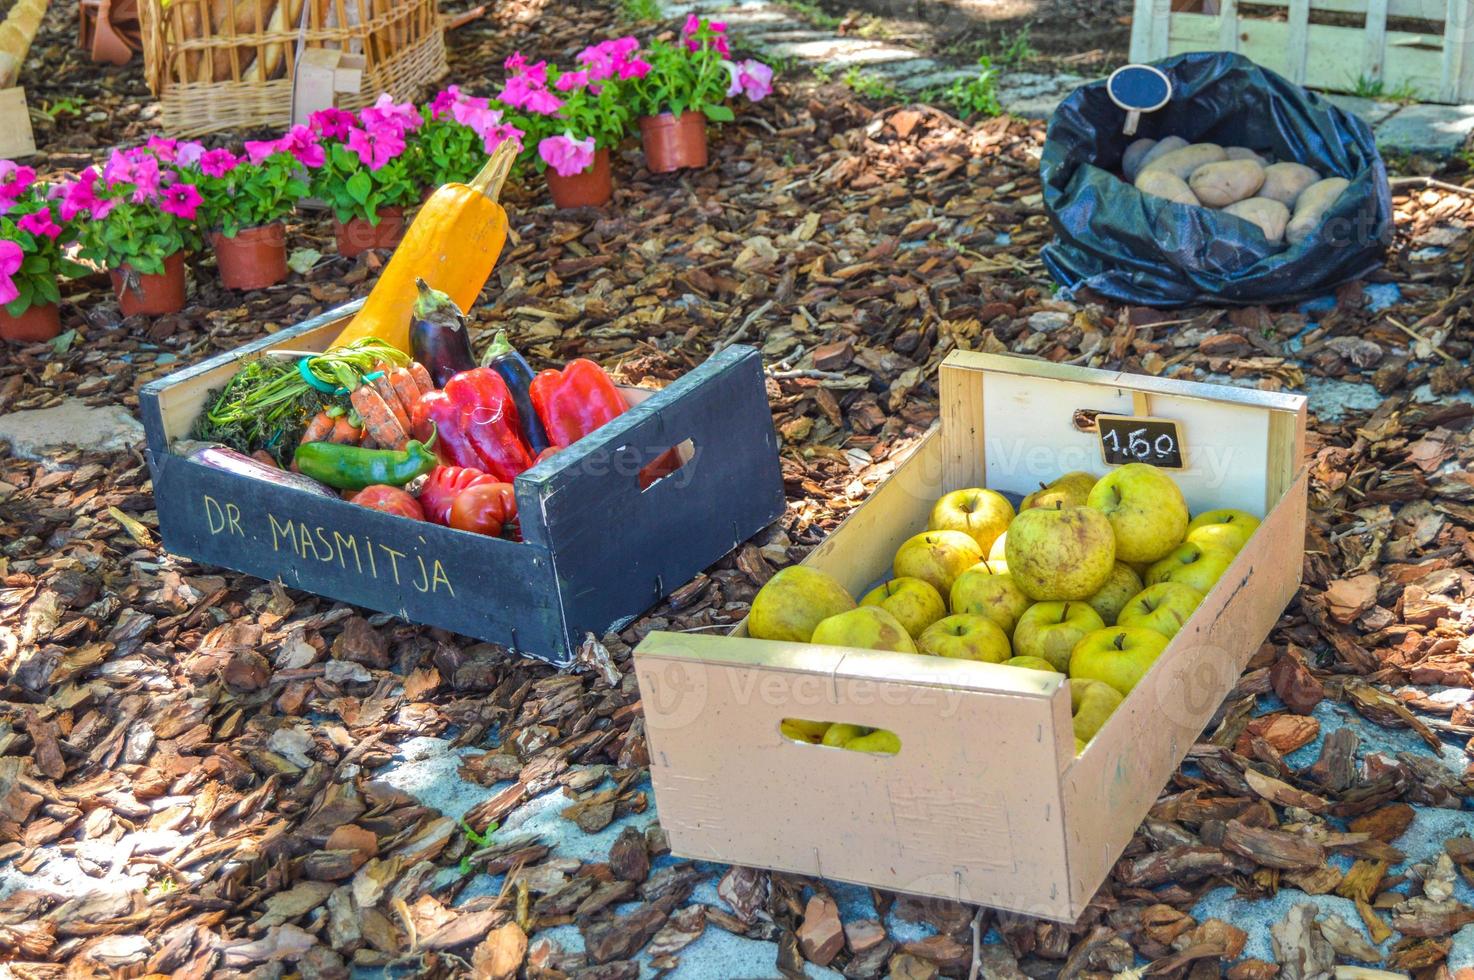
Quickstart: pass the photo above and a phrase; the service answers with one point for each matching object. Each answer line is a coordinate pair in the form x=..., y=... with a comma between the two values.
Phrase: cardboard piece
x=16, y=137
x=986, y=801
x=322, y=75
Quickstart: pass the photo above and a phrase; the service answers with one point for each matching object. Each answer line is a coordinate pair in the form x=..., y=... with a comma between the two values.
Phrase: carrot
x=421, y=376
x=378, y=419
x=345, y=433
x=406, y=389
x=385, y=388
x=318, y=429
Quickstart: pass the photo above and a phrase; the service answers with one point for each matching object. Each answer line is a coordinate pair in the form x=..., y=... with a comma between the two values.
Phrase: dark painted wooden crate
x=597, y=550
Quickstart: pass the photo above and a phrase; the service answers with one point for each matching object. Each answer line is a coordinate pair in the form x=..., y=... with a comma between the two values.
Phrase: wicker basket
x=228, y=64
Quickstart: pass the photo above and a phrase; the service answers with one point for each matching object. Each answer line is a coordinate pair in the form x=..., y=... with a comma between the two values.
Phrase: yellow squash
x=453, y=245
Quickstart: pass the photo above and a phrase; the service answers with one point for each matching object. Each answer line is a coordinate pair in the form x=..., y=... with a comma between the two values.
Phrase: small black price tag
x=1133, y=439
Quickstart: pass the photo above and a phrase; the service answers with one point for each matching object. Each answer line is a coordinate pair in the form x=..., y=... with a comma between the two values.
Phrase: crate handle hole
x=840, y=735
x=668, y=463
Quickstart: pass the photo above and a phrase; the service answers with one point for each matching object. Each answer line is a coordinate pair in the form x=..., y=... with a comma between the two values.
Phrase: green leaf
x=63, y=342
x=718, y=113
x=302, y=260
x=359, y=187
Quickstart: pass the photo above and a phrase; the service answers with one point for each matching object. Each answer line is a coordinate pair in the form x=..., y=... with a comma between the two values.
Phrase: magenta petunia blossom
x=259, y=150
x=78, y=196
x=515, y=63
x=302, y=143
x=145, y=179
x=180, y=200
x=505, y=133
x=570, y=80
x=218, y=162
x=376, y=147
x=522, y=92
x=445, y=101
x=565, y=154
x=332, y=123
x=14, y=180
x=387, y=114
x=188, y=153
x=751, y=77
x=163, y=148
x=39, y=223
x=11, y=257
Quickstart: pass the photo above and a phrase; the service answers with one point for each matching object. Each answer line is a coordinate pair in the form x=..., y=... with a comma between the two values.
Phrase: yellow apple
x=1163, y=607
x=1091, y=703
x=865, y=628
x=1145, y=508
x=937, y=557
x=1070, y=490
x=1228, y=529
x=1060, y=552
x=880, y=740
x=800, y=730
x=1050, y=630
x=1032, y=663
x=1118, y=655
x=793, y=602
x=840, y=733
x=1192, y=564
x=995, y=553
x=988, y=591
x=965, y=636
x=1117, y=591
x=981, y=514
x=913, y=602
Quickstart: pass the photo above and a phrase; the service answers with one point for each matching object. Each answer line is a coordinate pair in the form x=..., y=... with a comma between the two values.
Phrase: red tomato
x=442, y=486
x=484, y=508
x=390, y=500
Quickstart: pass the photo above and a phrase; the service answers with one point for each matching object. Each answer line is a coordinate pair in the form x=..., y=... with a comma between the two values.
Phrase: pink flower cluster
x=617, y=58
x=11, y=257
x=527, y=87
x=476, y=114
x=379, y=133
x=752, y=78
x=718, y=40
x=566, y=155
x=15, y=180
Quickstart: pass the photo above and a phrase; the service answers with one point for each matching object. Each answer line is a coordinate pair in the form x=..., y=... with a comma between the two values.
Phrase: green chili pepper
x=353, y=467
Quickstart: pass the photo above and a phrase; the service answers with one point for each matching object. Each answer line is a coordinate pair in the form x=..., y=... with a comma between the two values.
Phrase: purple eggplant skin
x=224, y=458
x=438, y=338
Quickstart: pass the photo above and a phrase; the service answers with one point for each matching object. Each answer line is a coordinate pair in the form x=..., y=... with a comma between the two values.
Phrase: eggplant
x=513, y=368
x=437, y=335
x=219, y=457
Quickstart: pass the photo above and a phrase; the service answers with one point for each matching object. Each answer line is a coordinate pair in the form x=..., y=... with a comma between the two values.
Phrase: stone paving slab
x=1435, y=130
x=37, y=433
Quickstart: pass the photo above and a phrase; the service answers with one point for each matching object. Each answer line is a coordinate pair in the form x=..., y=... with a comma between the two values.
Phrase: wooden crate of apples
x=1090, y=578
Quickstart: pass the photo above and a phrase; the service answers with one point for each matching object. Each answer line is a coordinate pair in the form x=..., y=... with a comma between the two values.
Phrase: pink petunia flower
x=515, y=63
x=163, y=148
x=386, y=113
x=259, y=150
x=39, y=223
x=181, y=200
x=523, y=92
x=188, y=153
x=751, y=77
x=11, y=257
x=14, y=179
x=445, y=101
x=376, y=147
x=332, y=123
x=505, y=133
x=77, y=196
x=634, y=68
x=145, y=179
x=302, y=143
x=565, y=154
x=218, y=162
x=568, y=81
x=476, y=115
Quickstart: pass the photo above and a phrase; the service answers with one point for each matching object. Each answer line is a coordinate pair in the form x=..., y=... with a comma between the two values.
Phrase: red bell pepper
x=435, y=412
x=477, y=420
x=580, y=398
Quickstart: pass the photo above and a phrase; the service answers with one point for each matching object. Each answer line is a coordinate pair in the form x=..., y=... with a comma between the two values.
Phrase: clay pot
x=590, y=189
x=151, y=295
x=672, y=142
x=36, y=324
x=253, y=258
x=358, y=236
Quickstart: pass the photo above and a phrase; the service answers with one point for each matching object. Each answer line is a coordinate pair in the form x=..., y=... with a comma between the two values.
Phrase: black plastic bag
x=1136, y=248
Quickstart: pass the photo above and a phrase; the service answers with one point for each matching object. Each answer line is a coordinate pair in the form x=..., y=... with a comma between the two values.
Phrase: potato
x=1160, y=183
x=1283, y=182
x=1181, y=163
x=1164, y=146
x=1270, y=215
x=1244, y=153
x=1311, y=206
x=1131, y=159
x=1218, y=184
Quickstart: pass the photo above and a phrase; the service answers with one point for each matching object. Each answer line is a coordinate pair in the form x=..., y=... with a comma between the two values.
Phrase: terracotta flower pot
x=358, y=236
x=36, y=324
x=253, y=258
x=151, y=295
x=672, y=142
x=590, y=189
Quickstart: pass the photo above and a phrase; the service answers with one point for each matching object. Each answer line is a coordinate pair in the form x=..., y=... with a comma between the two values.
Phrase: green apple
x=1070, y=490
x=793, y=602
x=1117, y=591
x=1145, y=508
x=1031, y=663
x=865, y=628
x=915, y=603
x=1091, y=703
x=965, y=636
x=1118, y=655
x=1050, y=630
x=937, y=557
x=1192, y=564
x=800, y=730
x=989, y=591
x=982, y=514
x=836, y=735
x=1228, y=529
x=1163, y=607
x=1060, y=552
x=995, y=553
x=881, y=740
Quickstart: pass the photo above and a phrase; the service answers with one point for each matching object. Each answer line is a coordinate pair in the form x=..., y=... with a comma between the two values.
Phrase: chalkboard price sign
x=1133, y=439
